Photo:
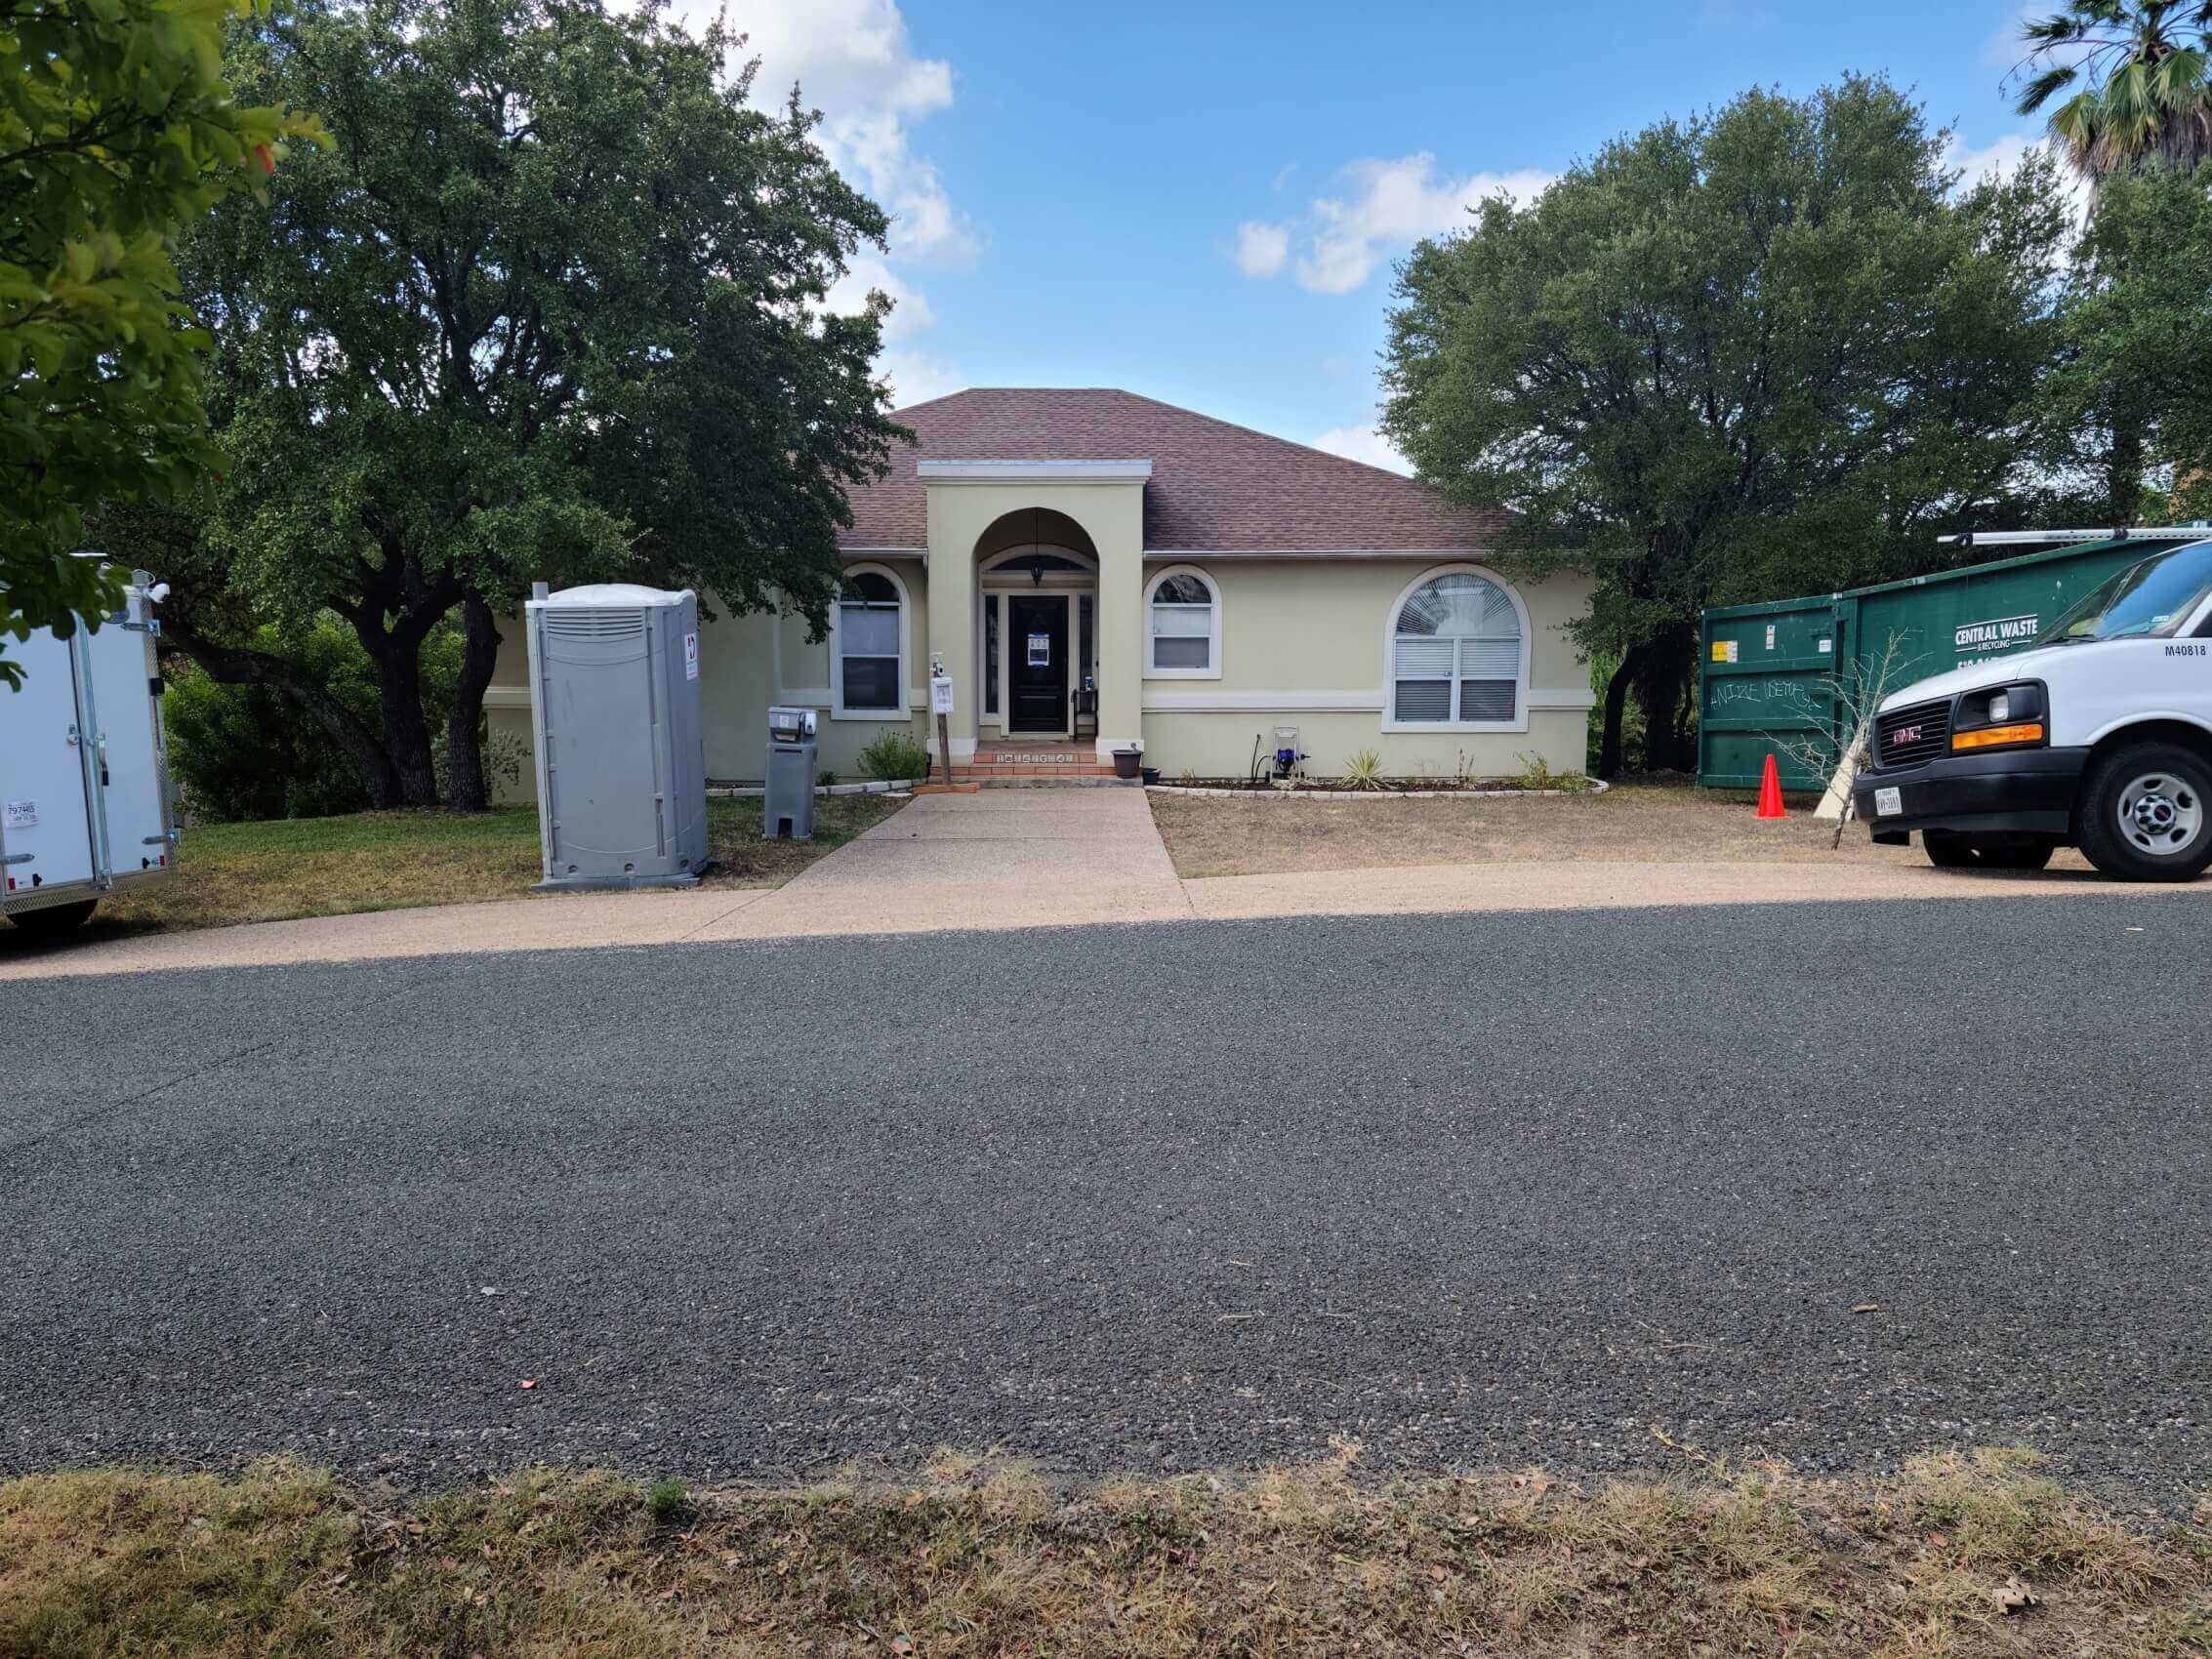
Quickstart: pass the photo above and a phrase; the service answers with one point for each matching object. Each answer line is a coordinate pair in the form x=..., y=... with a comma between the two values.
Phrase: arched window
x=1458, y=655
x=1183, y=625
x=868, y=648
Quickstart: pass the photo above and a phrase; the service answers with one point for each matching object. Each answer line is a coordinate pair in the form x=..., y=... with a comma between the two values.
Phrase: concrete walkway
x=1000, y=858
x=1016, y=858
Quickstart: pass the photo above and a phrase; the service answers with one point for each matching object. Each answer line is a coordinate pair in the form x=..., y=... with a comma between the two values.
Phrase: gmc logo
x=1905, y=734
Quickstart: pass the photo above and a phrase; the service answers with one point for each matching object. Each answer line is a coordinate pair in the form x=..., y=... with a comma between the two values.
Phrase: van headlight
x=2005, y=717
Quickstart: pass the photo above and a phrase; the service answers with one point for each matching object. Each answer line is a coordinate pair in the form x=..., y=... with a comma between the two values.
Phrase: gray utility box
x=622, y=763
x=787, y=802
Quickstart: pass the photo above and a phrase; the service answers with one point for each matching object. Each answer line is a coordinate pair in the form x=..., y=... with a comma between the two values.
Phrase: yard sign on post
x=941, y=705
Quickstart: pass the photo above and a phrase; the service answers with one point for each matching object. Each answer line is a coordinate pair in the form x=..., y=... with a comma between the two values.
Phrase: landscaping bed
x=1383, y=789
x=1633, y=822
x=381, y=860
x=1961, y=1556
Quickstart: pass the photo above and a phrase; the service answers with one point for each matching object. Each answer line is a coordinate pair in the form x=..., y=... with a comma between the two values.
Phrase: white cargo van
x=2098, y=736
x=85, y=805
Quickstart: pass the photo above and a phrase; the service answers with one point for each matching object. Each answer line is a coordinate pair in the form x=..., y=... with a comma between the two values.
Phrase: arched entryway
x=1037, y=628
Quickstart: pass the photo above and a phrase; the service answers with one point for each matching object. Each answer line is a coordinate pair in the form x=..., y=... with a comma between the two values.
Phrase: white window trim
x=904, y=713
x=1390, y=720
x=1212, y=668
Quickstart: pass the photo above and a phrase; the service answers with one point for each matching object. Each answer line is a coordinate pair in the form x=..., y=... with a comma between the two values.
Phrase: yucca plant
x=2143, y=69
x=1364, y=770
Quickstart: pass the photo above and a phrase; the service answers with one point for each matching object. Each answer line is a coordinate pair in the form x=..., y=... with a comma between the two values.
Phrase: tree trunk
x=1662, y=681
x=465, y=729
x=1616, y=705
x=235, y=665
x=2124, y=473
x=397, y=657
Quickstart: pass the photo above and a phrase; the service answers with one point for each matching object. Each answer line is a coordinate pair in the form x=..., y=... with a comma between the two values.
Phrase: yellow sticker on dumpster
x=1723, y=650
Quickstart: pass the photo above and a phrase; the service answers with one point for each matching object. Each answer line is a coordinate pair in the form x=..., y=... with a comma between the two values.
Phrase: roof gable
x=1215, y=487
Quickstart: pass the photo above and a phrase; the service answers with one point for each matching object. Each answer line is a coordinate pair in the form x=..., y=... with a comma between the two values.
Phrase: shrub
x=1537, y=774
x=1363, y=770
x=243, y=753
x=895, y=756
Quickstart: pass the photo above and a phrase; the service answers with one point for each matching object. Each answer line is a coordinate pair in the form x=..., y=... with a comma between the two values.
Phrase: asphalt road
x=1472, y=1189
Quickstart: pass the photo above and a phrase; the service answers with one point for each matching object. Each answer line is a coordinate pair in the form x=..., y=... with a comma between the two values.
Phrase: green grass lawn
x=381, y=860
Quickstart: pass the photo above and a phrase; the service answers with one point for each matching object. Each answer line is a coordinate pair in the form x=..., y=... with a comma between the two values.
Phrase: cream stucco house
x=1096, y=570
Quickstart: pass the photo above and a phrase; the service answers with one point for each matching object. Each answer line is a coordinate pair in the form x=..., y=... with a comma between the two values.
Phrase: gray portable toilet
x=614, y=709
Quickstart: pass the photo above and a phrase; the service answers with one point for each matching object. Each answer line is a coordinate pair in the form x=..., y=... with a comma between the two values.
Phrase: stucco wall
x=1304, y=643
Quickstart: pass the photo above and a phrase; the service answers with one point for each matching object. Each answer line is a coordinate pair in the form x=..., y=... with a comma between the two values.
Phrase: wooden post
x=941, y=704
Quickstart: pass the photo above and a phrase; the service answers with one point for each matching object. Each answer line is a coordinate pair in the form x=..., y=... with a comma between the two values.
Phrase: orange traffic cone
x=1770, y=791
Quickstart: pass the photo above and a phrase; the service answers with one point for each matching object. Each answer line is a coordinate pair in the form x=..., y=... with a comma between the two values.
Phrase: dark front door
x=1037, y=674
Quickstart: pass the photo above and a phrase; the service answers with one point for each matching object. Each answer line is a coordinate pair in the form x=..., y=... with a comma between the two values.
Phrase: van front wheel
x=2146, y=813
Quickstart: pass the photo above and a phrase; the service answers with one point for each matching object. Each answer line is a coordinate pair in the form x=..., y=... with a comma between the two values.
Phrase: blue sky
x=1201, y=202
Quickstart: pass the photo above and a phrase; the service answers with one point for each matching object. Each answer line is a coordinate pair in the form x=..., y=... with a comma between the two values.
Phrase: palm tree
x=2146, y=68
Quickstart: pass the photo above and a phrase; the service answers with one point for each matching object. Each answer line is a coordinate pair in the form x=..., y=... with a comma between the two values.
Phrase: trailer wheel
x=54, y=921
x=2146, y=813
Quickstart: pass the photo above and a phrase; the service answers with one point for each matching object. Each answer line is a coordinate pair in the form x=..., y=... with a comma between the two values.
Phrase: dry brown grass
x=985, y=1557
x=384, y=860
x=1629, y=822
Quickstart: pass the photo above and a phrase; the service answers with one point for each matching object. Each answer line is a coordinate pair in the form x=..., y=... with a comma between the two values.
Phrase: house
x=1096, y=569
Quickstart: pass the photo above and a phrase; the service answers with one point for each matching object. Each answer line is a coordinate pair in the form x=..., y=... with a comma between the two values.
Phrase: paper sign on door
x=21, y=815
x=1041, y=650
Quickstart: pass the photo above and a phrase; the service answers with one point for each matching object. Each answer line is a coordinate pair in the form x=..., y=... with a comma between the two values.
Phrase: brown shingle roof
x=1215, y=487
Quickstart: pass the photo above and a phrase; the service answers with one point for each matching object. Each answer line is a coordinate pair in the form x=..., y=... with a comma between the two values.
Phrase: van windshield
x=2146, y=601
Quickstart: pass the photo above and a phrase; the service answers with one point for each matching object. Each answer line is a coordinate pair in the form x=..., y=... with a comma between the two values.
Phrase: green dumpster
x=1780, y=678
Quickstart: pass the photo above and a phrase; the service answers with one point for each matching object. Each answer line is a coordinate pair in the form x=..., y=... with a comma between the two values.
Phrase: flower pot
x=1151, y=774
x=1125, y=762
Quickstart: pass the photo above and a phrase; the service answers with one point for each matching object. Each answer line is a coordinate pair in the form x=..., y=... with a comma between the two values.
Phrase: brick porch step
x=1036, y=758
x=1088, y=768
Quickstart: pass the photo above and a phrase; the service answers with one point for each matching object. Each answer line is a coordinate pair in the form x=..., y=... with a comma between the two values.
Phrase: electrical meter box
x=620, y=752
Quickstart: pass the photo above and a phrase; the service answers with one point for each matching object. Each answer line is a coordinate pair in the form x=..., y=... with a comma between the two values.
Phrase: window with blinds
x=868, y=645
x=1455, y=653
x=1183, y=630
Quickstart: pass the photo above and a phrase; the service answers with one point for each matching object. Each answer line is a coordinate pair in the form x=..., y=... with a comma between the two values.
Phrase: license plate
x=1889, y=803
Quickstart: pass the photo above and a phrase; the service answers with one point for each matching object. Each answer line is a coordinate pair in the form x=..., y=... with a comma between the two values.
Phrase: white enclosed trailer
x=85, y=805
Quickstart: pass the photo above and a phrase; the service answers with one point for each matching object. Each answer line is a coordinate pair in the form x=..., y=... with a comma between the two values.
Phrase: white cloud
x=2003, y=156
x=916, y=376
x=1990, y=161
x=1363, y=443
x=2007, y=45
x=1261, y=249
x=910, y=310
x=856, y=62
x=1385, y=207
